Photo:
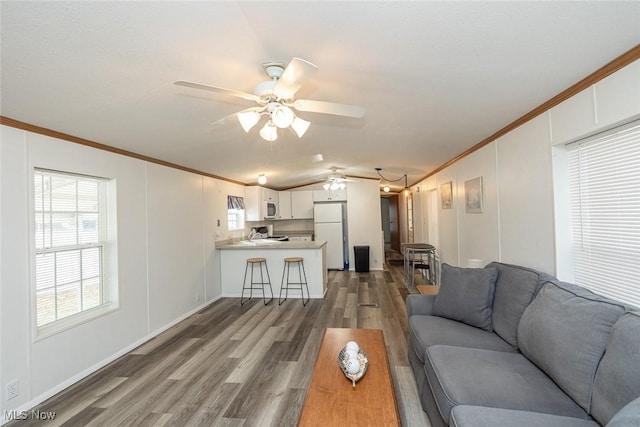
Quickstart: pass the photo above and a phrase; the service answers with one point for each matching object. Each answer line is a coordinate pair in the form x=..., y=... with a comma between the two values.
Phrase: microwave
x=270, y=210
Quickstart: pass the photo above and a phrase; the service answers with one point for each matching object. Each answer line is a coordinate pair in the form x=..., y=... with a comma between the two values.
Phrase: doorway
x=390, y=226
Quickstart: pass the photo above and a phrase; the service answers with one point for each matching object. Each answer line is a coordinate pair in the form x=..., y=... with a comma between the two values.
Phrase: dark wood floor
x=241, y=366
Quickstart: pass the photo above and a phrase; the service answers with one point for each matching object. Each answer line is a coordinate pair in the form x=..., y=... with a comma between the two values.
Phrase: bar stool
x=253, y=262
x=299, y=261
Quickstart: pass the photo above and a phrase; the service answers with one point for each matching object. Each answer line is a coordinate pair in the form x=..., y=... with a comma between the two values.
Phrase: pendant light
x=386, y=188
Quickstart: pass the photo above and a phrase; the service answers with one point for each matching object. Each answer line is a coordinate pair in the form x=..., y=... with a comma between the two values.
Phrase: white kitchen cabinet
x=330, y=195
x=254, y=202
x=295, y=204
x=284, y=205
x=302, y=204
x=269, y=195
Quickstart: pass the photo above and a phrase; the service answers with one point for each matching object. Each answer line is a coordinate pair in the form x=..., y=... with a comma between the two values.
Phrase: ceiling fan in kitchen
x=276, y=100
x=336, y=181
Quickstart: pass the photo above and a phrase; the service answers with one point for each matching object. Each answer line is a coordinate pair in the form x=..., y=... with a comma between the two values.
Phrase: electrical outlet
x=13, y=389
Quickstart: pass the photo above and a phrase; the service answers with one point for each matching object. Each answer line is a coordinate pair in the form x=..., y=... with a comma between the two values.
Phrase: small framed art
x=473, y=195
x=446, y=195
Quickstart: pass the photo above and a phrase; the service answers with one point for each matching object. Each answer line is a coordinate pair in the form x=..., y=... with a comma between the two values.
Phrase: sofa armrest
x=420, y=304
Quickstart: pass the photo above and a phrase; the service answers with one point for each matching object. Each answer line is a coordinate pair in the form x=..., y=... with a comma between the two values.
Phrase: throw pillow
x=466, y=295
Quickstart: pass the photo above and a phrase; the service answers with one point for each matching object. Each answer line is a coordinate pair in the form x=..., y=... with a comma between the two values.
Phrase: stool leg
x=244, y=284
x=269, y=279
x=280, y=300
x=264, y=298
x=301, y=264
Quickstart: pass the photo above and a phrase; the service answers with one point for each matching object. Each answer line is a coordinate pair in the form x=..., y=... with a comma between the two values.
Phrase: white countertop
x=271, y=244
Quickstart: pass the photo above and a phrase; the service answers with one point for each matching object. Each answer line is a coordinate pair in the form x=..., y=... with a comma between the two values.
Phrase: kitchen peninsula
x=233, y=257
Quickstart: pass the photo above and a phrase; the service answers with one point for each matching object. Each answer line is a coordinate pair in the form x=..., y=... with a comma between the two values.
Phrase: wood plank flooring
x=241, y=366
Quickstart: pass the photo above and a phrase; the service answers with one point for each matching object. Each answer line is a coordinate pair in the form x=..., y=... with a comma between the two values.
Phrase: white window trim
x=110, y=268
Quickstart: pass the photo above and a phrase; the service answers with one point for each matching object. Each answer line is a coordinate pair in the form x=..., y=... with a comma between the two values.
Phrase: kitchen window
x=604, y=198
x=71, y=250
x=235, y=213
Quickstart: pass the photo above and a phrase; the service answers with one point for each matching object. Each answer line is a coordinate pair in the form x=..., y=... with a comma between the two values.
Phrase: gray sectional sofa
x=509, y=346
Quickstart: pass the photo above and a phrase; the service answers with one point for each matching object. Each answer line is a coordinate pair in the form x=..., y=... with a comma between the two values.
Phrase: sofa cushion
x=515, y=288
x=466, y=295
x=425, y=331
x=479, y=416
x=618, y=377
x=469, y=376
x=629, y=416
x=564, y=331
x=419, y=304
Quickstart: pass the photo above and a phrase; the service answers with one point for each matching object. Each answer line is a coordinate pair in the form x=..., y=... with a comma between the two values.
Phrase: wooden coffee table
x=332, y=401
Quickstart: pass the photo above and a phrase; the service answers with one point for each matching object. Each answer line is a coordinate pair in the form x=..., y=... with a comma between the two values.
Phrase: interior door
x=393, y=223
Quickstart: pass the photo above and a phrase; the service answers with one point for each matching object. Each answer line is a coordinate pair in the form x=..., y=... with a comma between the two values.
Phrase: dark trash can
x=362, y=258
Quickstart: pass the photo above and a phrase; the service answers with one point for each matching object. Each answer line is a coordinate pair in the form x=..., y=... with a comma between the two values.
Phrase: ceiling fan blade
x=296, y=73
x=231, y=92
x=329, y=108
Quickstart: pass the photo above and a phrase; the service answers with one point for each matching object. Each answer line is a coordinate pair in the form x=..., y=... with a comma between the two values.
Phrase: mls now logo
x=26, y=415
x=15, y=415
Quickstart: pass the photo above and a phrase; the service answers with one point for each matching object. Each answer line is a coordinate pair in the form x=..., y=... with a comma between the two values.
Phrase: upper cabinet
x=330, y=195
x=284, y=205
x=295, y=204
x=255, y=202
x=269, y=195
x=302, y=204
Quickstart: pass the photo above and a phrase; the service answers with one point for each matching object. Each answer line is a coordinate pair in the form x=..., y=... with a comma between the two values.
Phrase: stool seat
x=301, y=285
x=256, y=263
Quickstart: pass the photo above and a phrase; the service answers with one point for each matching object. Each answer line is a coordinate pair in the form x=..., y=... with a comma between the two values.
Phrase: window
x=70, y=246
x=235, y=213
x=604, y=189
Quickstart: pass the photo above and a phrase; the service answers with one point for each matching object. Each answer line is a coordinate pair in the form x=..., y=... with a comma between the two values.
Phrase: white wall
x=521, y=216
x=364, y=220
x=166, y=228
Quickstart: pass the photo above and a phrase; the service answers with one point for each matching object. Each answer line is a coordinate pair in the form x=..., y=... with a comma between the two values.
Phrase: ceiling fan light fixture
x=300, y=127
x=248, y=119
x=282, y=116
x=269, y=131
x=326, y=186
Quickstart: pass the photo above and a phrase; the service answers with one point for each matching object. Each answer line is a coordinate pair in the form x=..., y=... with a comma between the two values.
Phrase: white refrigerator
x=330, y=224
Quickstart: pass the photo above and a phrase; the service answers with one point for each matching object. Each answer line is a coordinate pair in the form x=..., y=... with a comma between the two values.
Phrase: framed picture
x=473, y=195
x=446, y=195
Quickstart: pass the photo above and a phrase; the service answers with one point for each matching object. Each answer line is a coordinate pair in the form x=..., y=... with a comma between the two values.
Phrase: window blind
x=604, y=181
x=235, y=202
x=70, y=234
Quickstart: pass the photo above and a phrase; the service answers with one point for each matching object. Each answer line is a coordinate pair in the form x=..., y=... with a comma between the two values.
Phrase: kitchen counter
x=272, y=244
x=233, y=257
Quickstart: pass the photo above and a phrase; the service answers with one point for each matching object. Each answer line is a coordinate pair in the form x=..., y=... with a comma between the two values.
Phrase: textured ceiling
x=435, y=77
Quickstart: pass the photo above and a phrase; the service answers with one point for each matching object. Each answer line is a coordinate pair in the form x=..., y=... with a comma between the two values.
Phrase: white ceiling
x=435, y=77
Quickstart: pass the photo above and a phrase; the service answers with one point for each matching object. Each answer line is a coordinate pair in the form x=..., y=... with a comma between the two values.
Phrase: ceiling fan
x=336, y=181
x=276, y=100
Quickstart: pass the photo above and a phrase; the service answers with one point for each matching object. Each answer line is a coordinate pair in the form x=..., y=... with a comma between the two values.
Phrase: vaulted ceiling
x=435, y=78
